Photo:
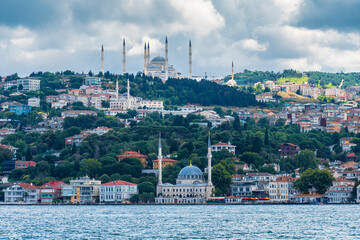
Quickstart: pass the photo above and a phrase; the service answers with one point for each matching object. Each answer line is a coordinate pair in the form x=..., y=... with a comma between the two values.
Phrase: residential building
x=133, y=154
x=76, y=139
x=265, y=177
x=309, y=198
x=28, y=84
x=82, y=190
x=10, y=84
x=22, y=192
x=117, y=191
x=34, y=102
x=243, y=188
x=92, y=81
x=50, y=192
x=19, y=110
x=339, y=194
x=282, y=189
x=24, y=164
x=151, y=104
x=220, y=146
x=289, y=150
x=358, y=194
x=165, y=162
x=76, y=113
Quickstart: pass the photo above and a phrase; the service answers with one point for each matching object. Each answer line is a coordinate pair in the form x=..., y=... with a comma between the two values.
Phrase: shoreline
x=156, y=204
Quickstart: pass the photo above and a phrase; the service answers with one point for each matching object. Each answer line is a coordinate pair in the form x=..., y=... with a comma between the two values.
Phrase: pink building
x=50, y=191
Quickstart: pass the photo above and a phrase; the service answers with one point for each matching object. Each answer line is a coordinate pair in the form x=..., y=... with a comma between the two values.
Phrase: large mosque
x=159, y=66
x=190, y=187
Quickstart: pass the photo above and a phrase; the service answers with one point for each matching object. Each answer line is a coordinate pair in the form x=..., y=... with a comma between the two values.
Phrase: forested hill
x=324, y=79
x=208, y=93
x=183, y=91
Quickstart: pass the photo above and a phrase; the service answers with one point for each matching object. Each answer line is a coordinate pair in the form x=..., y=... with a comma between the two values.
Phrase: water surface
x=181, y=222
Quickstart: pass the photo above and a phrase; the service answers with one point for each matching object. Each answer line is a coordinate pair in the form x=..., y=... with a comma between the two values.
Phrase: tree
x=146, y=187
x=252, y=158
x=237, y=124
x=221, y=179
x=306, y=159
x=28, y=155
x=90, y=167
x=105, y=178
x=5, y=154
x=320, y=180
x=219, y=111
x=266, y=138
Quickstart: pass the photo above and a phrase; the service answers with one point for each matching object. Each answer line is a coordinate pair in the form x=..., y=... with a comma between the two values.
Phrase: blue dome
x=158, y=59
x=153, y=67
x=190, y=172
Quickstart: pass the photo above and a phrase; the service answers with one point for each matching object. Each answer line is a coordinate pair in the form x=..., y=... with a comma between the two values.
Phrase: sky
x=267, y=35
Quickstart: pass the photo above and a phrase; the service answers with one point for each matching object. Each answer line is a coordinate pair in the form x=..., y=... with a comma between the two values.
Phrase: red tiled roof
x=222, y=144
x=129, y=154
x=285, y=179
x=166, y=160
x=52, y=184
x=119, y=182
x=309, y=195
x=27, y=186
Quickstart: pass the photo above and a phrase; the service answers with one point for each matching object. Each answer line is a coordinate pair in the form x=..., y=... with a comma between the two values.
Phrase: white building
x=10, y=84
x=22, y=192
x=34, y=102
x=339, y=194
x=220, y=146
x=358, y=194
x=282, y=189
x=191, y=186
x=117, y=191
x=28, y=84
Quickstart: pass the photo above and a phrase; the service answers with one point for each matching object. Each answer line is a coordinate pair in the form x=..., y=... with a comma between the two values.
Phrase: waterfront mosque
x=191, y=186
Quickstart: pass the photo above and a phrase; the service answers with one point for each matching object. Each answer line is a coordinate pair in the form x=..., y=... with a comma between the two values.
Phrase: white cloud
x=254, y=45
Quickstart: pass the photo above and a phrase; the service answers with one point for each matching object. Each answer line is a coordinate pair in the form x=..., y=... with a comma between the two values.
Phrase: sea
x=180, y=222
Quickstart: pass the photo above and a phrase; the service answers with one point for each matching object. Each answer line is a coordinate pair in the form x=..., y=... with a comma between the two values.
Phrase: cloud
x=263, y=35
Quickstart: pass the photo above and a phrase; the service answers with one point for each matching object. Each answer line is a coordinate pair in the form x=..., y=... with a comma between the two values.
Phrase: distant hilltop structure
x=159, y=66
x=231, y=82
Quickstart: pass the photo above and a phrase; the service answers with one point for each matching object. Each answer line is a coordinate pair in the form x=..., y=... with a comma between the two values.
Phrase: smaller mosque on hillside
x=159, y=66
x=190, y=187
x=231, y=82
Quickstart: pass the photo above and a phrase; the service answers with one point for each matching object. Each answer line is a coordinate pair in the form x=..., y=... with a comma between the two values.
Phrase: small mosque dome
x=190, y=172
x=231, y=83
x=158, y=59
x=153, y=67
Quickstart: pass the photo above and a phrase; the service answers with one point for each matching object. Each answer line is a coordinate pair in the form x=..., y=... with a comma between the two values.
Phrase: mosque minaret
x=166, y=60
x=124, y=57
x=231, y=82
x=102, y=59
x=190, y=62
x=148, y=54
x=145, y=59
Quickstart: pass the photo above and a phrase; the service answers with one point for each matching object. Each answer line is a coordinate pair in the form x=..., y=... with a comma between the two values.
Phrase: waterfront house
x=282, y=189
x=83, y=190
x=339, y=194
x=309, y=198
x=22, y=192
x=51, y=191
x=117, y=191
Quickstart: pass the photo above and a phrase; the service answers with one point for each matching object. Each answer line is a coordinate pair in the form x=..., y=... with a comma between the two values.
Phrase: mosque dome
x=153, y=67
x=190, y=172
x=231, y=83
x=158, y=59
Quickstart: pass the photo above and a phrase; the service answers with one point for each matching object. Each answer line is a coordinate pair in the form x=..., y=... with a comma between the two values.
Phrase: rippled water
x=181, y=222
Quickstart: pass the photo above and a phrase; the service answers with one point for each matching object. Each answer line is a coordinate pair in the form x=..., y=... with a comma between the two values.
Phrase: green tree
x=90, y=167
x=306, y=159
x=146, y=187
x=105, y=178
x=28, y=155
x=219, y=111
x=252, y=158
x=320, y=180
x=221, y=179
x=5, y=154
x=237, y=124
x=266, y=139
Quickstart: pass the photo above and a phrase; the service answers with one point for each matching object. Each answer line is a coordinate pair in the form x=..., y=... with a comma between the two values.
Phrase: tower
x=160, y=160
x=124, y=57
x=102, y=59
x=232, y=70
x=190, y=62
x=148, y=54
x=209, y=156
x=128, y=94
x=166, y=60
x=145, y=67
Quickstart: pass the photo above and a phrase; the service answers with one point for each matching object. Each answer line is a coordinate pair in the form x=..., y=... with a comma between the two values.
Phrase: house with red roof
x=24, y=164
x=352, y=156
x=165, y=162
x=117, y=191
x=220, y=146
x=133, y=154
x=22, y=193
x=51, y=191
x=289, y=150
